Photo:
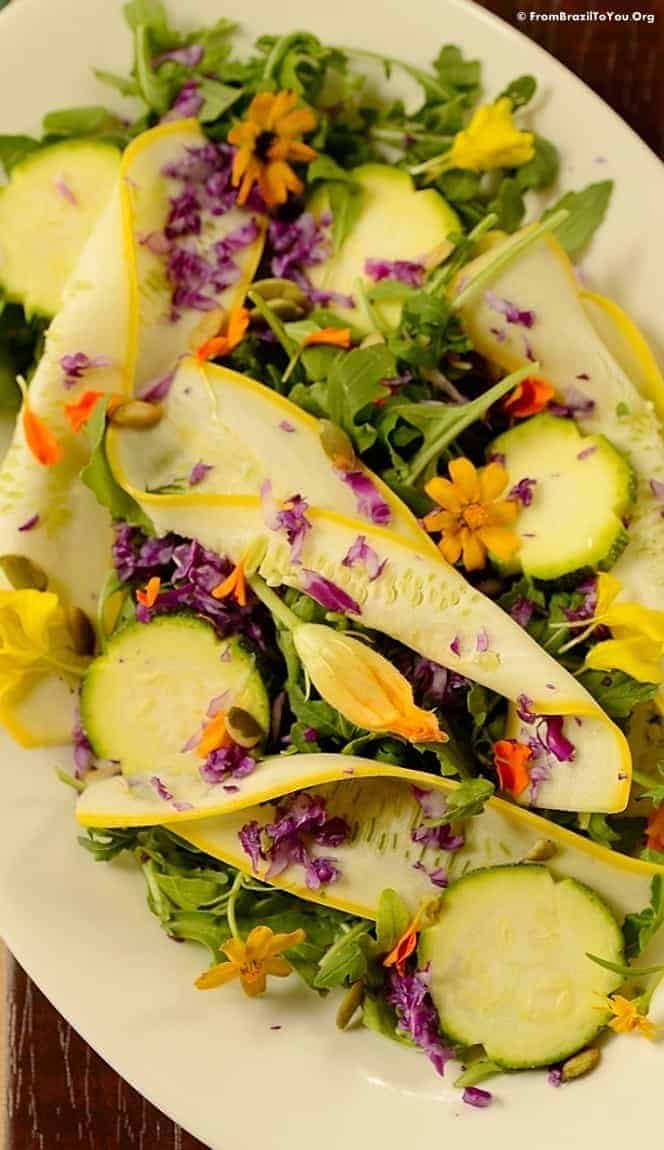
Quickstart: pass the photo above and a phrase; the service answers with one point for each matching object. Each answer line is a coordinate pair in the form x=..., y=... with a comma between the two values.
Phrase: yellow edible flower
x=34, y=641
x=491, y=140
x=472, y=520
x=637, y=643
x=627, y=1018
x=362, y=685
x=252, y=960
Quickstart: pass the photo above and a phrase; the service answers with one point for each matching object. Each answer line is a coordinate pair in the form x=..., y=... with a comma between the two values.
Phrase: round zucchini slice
x=146, y=697
x=509, y=965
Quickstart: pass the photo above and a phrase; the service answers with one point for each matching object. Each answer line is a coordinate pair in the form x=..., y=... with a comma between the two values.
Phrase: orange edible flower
x=148, y=596
x=655, y=830
x=41, y=441
x=253, y=960
x=511, y=758
x=330, y=336
x=266, y=140
x=529, y=397
x=222, y=345
x=627, y=1018
x=405, y=945
x=472, y=520
x=235, y=585
x=78, y=413
x=214, y=736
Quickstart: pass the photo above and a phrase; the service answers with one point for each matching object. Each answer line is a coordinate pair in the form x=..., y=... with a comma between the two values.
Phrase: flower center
x=252, y=970
x=475, y=516
x=263, y=144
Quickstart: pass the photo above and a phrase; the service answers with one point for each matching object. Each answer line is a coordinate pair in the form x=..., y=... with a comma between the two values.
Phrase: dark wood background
x=61, y=1094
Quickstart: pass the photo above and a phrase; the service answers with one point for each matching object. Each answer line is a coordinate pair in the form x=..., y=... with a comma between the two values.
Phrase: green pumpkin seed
x=137, y=414
x=540, y=851
x=580, y=1064
x=337, y=445
x=82, y=631
x=23, y=574
x=243, y=728
x=350, y=1004
x=286, y=309
x=274, y=288
x=372, y=339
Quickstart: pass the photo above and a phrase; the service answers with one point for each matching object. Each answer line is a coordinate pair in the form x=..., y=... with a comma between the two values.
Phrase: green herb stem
x=274, y=323
x=274, y=604
x=238, y=882
x=505, y=256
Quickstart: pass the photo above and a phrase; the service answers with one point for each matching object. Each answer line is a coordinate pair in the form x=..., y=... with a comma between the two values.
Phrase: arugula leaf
x=617, y=693
x=98, y=476
x=105, y=845
x=13, y=149
x=217, y=98
x=542, y=169
x=478, y=1070
x=520, y=91
x=345, y=961
x=641, y=927
x=587, y=209
x=354, y=383
x=325, y=168
x=91, y=120
x=392, y=920
x=508, y=204
x=458, y=73
x=379, y=1016
x=627, y=971
x=468, y=799
x=600, y=831
x=190, y=893
x=654, y=792
x=125, y=85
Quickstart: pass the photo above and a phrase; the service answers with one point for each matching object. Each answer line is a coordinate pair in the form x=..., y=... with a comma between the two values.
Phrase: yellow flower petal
x=639, y=657
x=279, y=967
x=500, y=541
x=491, y=141
x=506, y=511
x=625, y=619
x=465, y=478
x=282, y=942
x=253, y=983
x=450, y=546
x=444, y=494
x=493, y=480
x=217, y=975
x=474, y=551
x=608, y=587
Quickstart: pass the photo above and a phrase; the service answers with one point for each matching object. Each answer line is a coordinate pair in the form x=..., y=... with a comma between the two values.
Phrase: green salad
x=332, y=540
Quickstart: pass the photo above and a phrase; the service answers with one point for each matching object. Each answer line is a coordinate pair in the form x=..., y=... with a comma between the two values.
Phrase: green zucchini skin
x=48, y=210
x=583, y=489
x=509, y=965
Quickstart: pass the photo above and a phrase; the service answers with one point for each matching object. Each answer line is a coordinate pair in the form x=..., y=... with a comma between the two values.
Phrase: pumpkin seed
x=82, y=631
x=286, y=309
x=372, y=339
x=23, y=574
x=580, y=1064
x=540, y=851
x=137, y=414
x=337, y=445
x=274, y=288
x=350, y=1004
x=243, y=728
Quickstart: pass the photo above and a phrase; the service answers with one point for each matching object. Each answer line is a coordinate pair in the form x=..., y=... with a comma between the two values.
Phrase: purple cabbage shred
x=361, y=553
x=417, y=1015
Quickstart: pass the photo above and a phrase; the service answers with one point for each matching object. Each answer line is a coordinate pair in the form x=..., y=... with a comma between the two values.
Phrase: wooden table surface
x=59, y=1093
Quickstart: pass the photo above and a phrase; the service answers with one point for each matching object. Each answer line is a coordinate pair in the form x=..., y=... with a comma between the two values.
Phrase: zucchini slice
x=144, y=699
x=509, y=965
x=582, y=489
x=47, y=211
x=394, y=222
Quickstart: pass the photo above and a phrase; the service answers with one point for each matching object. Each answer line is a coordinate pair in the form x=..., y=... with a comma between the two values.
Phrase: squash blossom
x=252, y=960
x=637, y=643
x=362, y=685
x=491, y=140
x=34, y=641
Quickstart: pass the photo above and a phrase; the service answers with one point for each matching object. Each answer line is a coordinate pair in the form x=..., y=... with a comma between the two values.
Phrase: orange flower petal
x=655, y=830
x=529, y=397
x=214, y=736
x=510, y=758
x=300, y=153
x=79, y=413
x=297, y=123
x=330, y=336
x=148, y=596
x=222, y=345
x=41, y=441
x=465, y=479
x=234, y=585
x=282, y=103
x=400, y=953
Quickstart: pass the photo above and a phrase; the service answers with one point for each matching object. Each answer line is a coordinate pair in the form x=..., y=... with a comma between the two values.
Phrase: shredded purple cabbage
x=75, y=365
x=576, y=404
x=409, y=272
x=198, y=472
x=300, y=821
x=188, y=573
x=187, y=103
x=190, y=56
x=657, y=489
x=433, y=804
x=231, y=761
x=294, y=245
x=29, y=523
x=587, y=608
x=474, y=1096
x=417, y=1015
x=522, y=317
x=286, y=425
x=440, y=837
x=360, y=552
x=62, y=188
x=482, y=641
x=523, y=491
x=555, y=1076
x=370, y=502
x=522, y=611
x=437, y=877
x=82, y=751
x=432, y=683
x=325, y=592
x=157, y=389
x=587, y=452
x=550, y=732
x=524, y=709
